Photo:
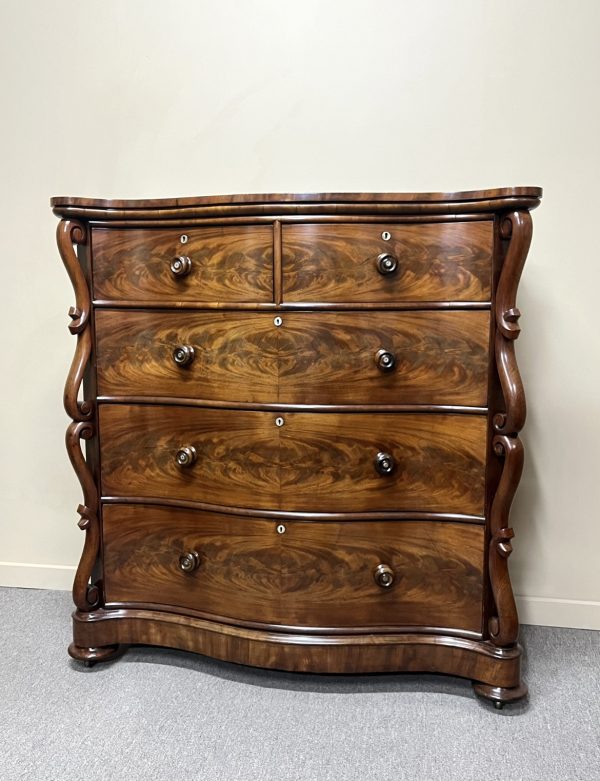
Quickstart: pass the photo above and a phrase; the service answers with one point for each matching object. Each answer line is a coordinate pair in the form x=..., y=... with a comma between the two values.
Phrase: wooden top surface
x=275, y=198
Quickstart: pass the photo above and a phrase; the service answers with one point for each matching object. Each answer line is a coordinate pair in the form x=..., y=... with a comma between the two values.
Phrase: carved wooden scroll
x=504, y=626
x=517, y=228
x=70, y=232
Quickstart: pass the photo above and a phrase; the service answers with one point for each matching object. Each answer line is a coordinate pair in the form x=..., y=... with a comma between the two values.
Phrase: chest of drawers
x=301, y=419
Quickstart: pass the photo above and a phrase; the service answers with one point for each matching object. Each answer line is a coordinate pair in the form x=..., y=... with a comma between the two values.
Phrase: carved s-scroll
x=70, y=232
x=85, y=596
x=516, y=227
x=504, y=626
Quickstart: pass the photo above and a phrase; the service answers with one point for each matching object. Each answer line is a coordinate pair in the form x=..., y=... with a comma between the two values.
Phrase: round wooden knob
x=185, y=456
x=385, y=360
x=183, y=354
x=181, y=266
x=386, y=263
x=190, y=561
x=384, y=576
x=384, y=463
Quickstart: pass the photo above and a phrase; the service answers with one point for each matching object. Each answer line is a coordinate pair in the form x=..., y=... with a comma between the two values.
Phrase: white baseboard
x=53, y=576
x=540, y=611
x=545, y=611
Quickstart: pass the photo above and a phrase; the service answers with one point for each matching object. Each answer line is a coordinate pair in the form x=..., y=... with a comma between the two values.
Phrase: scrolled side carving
x=517, y=228
x=70, y=232
x=504, y=624
x=86, y=596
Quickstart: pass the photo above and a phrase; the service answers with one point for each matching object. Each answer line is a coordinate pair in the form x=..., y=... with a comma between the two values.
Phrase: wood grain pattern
x=323, y=653
x=227, y=264
x=438, y=522
x=441, y=357
x=436, y=262
x=357, y=197
x=235, y=355
x=310, y=575
x=314, y=462
x=260, y=206
x=327, y=358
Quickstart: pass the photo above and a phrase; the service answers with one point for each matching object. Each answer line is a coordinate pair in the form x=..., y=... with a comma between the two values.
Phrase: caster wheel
x=498, y=705
x=89, y=663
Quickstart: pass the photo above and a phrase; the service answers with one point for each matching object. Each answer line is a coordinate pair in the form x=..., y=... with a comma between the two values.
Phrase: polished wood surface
x=377, y=198
x=321, y=653
x=440, y=358
x=301, y=418
x=295, y=206
x=235, y=355
x=226, y=264
x=311, y=358
x=313, y=462
x=304, y=574
x=436, y=262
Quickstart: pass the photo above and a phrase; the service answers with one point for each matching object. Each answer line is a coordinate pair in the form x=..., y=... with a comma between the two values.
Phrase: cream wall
x=124, y=98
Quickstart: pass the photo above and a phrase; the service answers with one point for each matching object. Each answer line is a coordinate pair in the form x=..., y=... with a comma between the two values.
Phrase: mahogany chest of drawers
x=301, y=418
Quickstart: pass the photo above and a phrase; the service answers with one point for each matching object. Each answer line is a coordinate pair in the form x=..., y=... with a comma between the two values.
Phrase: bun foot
x=500, y=695
x=89, y=656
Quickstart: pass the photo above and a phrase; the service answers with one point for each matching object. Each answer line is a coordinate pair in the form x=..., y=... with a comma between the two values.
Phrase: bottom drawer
x=296, y=573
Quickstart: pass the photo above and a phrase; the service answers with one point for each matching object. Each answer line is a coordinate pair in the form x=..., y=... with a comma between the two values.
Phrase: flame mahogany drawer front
x=302, y=417
x=309, y=358
x=320, y=462
x=391, y=573
x=226, y=264
x=444, y=261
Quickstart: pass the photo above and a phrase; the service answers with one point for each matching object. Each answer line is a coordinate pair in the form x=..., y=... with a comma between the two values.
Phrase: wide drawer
x=445, y=261
x=310, y=358
x=213, y=264
x=321, y=574
x=316, y=462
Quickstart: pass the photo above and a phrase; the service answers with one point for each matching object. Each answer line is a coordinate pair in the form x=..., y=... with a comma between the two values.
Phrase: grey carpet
x=160, y=714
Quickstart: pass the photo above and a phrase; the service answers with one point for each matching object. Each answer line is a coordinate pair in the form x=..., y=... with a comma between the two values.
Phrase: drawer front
x=312, y=358
x=313, y=574
x=433, y=262
x=222, y=264
x=233, y=356
x=384, y=358
x=319, y=462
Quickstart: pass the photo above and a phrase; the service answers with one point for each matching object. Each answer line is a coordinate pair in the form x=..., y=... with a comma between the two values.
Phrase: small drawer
x=317, y=574
x=314, y=462
x=213, y=264
x=309, y=358
x=443, y=261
